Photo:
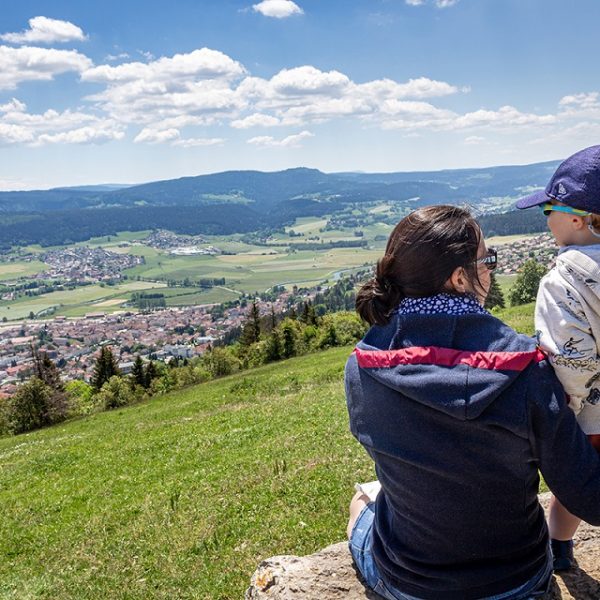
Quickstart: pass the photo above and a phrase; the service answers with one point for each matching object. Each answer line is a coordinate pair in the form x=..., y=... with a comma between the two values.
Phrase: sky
x=129, y=91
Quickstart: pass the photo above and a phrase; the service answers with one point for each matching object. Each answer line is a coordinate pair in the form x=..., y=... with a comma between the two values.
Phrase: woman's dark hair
x=421, y=254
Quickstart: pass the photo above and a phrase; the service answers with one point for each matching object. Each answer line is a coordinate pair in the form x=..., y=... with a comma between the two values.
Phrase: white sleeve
x=564, y=333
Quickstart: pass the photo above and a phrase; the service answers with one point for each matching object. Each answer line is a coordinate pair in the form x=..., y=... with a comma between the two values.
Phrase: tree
x=29, y=407
x=46, y=370
x=289, y=339
x=526, y=286
x=106, y=367
x=115, y=393
x=137, y=372
x=330, y=338
x=150, y=375
x=273, y=348
x=251, y=330
x=495, y=296
x=220, y=362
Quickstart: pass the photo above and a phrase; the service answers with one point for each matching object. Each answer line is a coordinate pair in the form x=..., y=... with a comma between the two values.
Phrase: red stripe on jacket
x=447, y=357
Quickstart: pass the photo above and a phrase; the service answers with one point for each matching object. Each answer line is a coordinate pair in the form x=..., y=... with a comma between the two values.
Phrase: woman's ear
x=458, y=282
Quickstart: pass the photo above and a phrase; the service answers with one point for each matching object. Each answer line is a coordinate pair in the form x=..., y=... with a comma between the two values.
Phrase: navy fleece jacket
x=458, y=414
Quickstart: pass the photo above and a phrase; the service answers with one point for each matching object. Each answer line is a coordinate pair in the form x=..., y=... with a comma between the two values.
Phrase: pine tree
x=289, y=340
x=46, y=370
x=495, y=296
x=304, y=316
x=151, y=374
x=251, y=330
x=106, y=366
x=137, y=372
x=273, y=349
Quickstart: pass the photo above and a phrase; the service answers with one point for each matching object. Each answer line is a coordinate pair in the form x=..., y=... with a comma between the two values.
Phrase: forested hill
x=245, y=201
x=266, y=192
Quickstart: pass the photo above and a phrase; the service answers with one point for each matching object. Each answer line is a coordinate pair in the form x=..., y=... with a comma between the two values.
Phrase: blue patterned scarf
x=446, y=304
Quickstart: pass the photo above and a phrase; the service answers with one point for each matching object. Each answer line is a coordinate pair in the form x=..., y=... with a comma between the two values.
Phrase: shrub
x=81, y=398
x=115, y=393
x=4, y=417
x=528, y=281
x=29, y=407
x=220, y=361
x=340, y=329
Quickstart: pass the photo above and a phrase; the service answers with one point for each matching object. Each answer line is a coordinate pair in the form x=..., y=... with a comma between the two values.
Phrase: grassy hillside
x=182, y=496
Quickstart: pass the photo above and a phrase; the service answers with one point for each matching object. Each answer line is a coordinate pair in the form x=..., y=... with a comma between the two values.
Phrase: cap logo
x=561, y=189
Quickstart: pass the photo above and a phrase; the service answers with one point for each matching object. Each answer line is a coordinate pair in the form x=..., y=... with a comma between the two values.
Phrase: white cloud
x=473, y=140
x=438, y=3
x=279, y=9
x=255, y=120
x=115, y=57
x=17, y=126
x=13, y=185
x=13, y=105
x=506, y=116
x=194, y=142
x=14, y=134
x=580, y=101
x=83, y=135
x=147, y=55
x=308, y=80
x=199, y=64
x=43, y=30
x=185, y=85
x=291, y=141
x=37, y=64
x=149, y=135
x=425, y=116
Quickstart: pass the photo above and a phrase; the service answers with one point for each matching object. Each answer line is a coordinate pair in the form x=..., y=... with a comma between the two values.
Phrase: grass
x=75, y=302
x=10, y=271
x=182, y=496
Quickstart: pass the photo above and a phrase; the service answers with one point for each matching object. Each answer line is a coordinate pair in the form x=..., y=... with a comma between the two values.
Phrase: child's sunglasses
x=490, y=260
x=547, y=208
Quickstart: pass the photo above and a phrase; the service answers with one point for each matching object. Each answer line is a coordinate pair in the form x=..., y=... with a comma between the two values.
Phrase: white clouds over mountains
x=174, y=100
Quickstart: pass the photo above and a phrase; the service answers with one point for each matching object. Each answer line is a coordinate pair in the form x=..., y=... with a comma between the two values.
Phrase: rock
x=330, y=574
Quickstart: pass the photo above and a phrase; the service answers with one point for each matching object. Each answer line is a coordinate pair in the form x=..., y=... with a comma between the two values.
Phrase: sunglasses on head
x=490, y=260
x=547, y=208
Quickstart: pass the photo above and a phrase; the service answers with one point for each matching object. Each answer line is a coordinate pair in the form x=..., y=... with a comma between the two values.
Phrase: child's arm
x=565, y=334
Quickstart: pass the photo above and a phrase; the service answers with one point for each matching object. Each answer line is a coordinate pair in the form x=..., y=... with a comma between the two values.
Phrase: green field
x=181, y=497
x=10, y=271
x=250, y=269
x=77, y=302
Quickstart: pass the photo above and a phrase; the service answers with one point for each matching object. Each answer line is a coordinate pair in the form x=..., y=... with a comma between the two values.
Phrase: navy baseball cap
x=575, y=183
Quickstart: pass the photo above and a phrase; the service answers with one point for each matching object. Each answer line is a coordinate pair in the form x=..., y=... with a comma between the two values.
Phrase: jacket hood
x=582, y=261
x=456, y=364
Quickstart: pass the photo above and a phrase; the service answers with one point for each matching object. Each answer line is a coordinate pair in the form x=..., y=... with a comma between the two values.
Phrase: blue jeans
x=360, y=548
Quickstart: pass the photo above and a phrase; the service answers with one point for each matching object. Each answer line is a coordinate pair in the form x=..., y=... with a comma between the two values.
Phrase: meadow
x=182, y=496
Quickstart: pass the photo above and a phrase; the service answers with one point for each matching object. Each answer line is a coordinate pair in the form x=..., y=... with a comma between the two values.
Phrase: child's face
x=566, y=228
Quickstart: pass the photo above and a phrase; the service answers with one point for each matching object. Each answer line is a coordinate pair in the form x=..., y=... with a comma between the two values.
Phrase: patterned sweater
x=567, y=320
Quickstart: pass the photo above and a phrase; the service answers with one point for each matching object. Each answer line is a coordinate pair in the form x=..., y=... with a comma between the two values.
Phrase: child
x=567, y=313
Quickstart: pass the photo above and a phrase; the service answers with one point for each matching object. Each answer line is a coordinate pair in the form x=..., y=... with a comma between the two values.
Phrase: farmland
x=248, y=265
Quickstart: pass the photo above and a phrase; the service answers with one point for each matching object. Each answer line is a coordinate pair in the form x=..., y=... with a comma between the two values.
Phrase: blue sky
x=131, y=91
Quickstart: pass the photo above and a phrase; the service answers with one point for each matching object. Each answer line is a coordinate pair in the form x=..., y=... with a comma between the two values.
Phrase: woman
x=458, y=413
